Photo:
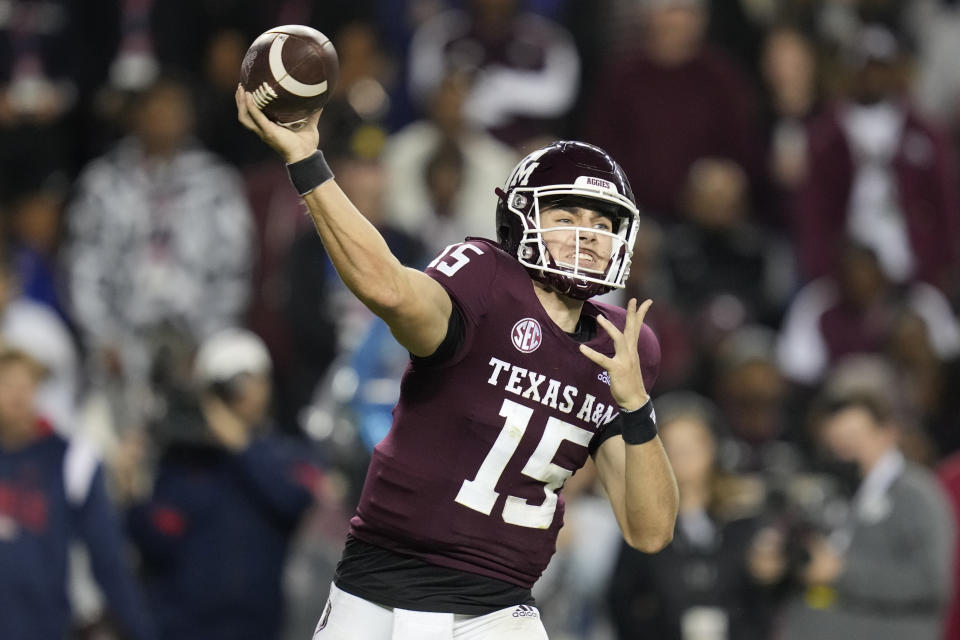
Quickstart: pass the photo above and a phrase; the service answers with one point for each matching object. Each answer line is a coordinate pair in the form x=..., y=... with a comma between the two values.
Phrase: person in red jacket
x=949, y=474
x=880, y=174
x=678, y=99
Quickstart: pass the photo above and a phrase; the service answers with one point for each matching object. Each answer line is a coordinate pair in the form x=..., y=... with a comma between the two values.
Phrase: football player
x=515, y=378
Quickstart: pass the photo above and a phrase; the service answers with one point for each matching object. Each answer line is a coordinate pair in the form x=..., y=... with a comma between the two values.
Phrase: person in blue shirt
x=214, y=534
x=52, y=492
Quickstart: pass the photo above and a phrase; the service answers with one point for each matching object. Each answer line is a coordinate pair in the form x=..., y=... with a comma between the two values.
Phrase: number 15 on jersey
x=480, y=494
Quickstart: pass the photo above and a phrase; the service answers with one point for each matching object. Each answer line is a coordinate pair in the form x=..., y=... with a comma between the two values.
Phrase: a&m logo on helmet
x=526, y=335
x=521, y=173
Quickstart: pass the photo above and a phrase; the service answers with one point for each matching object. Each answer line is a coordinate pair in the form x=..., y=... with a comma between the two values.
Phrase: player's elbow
x=387, y=296
x=651, y=533
x=650, y=542
x=384, y=302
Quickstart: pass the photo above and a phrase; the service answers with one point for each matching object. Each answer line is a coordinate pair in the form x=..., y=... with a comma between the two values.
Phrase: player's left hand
x=626, y=378
x=291, y=145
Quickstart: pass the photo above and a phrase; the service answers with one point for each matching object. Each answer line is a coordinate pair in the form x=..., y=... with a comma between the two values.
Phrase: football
x=291, y=72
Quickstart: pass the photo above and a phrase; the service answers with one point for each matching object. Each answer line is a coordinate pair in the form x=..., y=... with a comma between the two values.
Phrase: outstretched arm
x=638, y=478
x=414, y=306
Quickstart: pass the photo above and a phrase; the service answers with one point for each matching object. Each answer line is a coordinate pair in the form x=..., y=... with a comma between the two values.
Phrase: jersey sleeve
x=467, y=271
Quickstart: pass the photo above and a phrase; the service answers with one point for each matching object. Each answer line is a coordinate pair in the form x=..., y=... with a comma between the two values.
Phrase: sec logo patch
x=526, y=335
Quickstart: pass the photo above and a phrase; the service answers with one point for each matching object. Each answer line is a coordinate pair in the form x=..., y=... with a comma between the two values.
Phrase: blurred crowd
x=188, y=390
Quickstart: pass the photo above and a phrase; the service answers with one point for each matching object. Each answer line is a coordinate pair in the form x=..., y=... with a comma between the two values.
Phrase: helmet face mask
x=584, y=177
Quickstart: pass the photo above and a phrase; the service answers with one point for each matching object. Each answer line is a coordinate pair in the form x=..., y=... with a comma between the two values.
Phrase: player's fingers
x=630, y=324
x=641, y=314
x=610, y=328
x=243, y=112
x=263, y=123
x=241, y=103
x=635, y=317
x=596, y=357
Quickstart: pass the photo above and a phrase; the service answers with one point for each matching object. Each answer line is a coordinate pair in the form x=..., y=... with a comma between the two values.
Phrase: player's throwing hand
x=626, y=378
x=293, y=146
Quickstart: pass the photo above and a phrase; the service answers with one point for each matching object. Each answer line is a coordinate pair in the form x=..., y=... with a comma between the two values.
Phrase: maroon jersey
x=470, y=474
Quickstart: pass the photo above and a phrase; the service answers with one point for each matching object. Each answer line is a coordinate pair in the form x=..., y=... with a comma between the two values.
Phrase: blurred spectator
x=396, y=22
x=593, y=27
x=937, y=90
x=927, y=380
x=699, y=586
x=753, y=400
x=441, y=171
x=726, y=270
x=887, y=572
x=789, y=70
x=880, y=173
x=52, y=493
x=39, y=331
x=35, y=230
x=215, y=103
x=737, y=28
x=160, y=232
x=215, y=531
x=839, y=23
x=353, y=121
x=649, y=278
x=312, y=318
x=525, y=67
x=878, y=374
x=53, y=53
x=181, y=34
x=856, y=312
x=135, y=66
x=674, y=102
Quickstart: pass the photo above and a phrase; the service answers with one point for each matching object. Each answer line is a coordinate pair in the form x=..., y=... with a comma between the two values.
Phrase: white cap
x=228, y=353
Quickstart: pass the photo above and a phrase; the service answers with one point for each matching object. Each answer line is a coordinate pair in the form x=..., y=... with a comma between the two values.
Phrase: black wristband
x=639, y=426
x=641, y=423
x=309, y=173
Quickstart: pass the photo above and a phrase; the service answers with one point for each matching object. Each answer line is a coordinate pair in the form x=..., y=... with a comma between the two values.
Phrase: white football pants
x=347, y=617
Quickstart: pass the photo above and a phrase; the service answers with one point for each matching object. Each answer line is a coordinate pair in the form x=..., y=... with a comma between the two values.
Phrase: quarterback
x=515, y=378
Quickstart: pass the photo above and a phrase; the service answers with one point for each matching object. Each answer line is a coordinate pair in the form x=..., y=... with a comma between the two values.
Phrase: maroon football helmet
x=582, y=175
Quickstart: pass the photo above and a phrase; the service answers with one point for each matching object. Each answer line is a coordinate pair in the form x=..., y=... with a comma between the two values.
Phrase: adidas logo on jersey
x=525, y=611
x=603, y=376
